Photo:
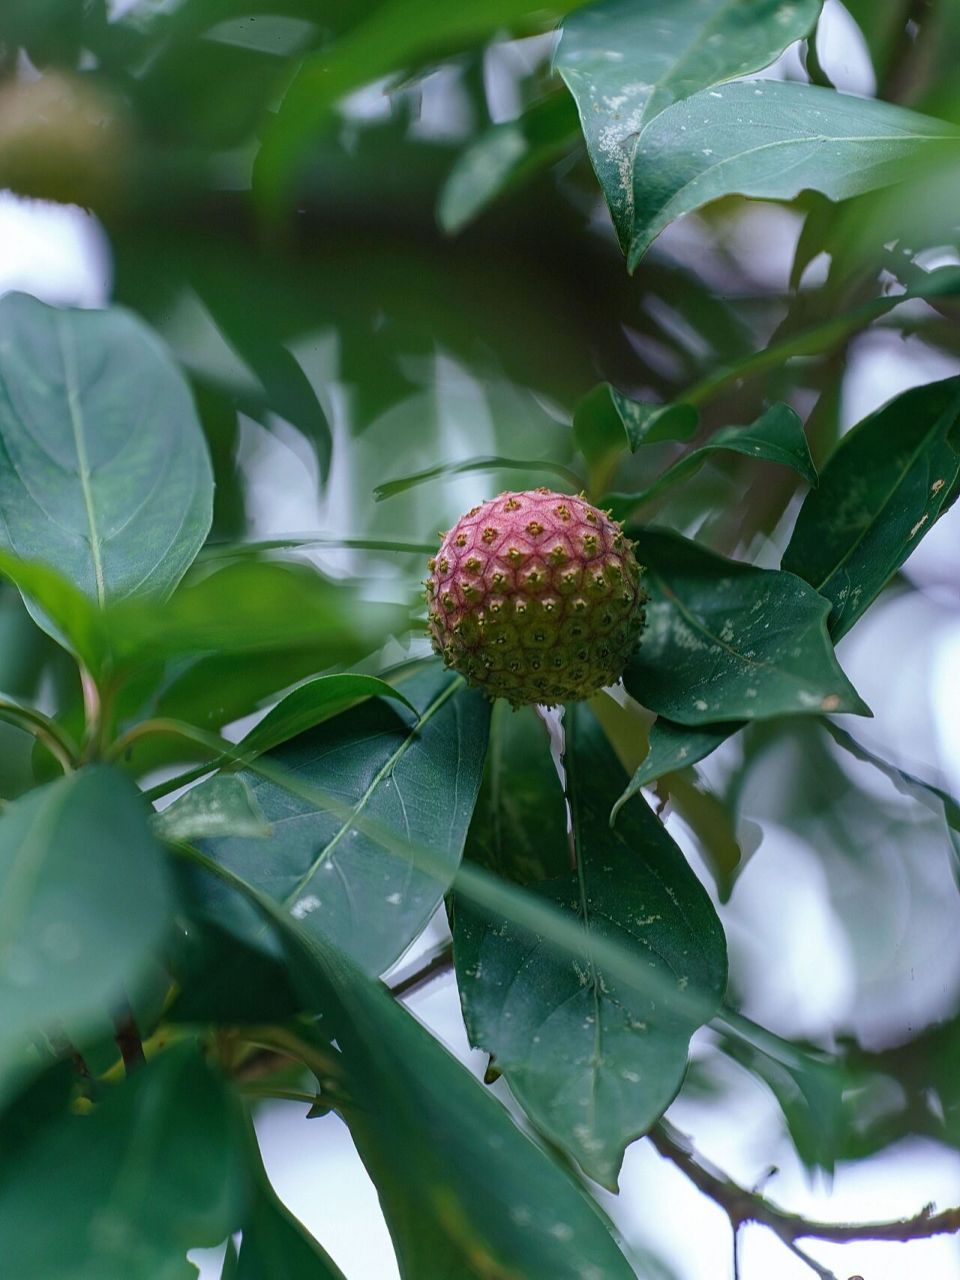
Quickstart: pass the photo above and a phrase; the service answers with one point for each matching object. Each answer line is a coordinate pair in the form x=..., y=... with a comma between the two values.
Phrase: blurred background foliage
x=373, y=311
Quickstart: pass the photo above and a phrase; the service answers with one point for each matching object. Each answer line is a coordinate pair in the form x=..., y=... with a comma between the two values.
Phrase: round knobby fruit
x=536, y=597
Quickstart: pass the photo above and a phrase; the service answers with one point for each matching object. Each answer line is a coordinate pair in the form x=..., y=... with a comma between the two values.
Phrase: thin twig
x=440, y=961
x=741, y=1205
x=127, y=1037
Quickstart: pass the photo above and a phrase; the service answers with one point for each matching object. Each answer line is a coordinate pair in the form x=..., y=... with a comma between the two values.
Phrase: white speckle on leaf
x=303, y=907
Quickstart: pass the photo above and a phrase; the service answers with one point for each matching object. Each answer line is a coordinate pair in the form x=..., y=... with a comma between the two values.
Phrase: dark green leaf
x=883, y=488
x=772, y=139
x=726, y=640
x=592, y=1062
x=606, y=420
x=479, y=1199
x=776, y=436
x=276, y=1247
x=416, y=775
x=85, y=903
x=104, y=469
x=672, y=747
x=504, y=156
x=624, y=61
x=312, y=703
x=222, y=806
x=222, y=980
x=155, y=1170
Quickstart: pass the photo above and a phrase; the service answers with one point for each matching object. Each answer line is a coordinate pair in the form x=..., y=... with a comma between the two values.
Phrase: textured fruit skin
x=536, y=597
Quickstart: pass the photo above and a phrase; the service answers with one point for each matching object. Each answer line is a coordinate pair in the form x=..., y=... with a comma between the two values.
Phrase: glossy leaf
x=154, y=1170
x=85, y=903
x=276, y=1247
x=726, y=640
x=222, y=806
x=104, y=470
x=881, y=491
x=776, y=436
x=504, y=156
x=625, y=61
x=480, y=1198
x=672, y=747
x=773, y=139
x=592, y=1062
x=314, y=702
x=416, y=775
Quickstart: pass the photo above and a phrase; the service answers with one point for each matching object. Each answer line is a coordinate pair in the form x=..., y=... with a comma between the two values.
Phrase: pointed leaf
x=417, y=775
x=883, y=488
x=104, y=470
x=726, y=640
x=84, y=903
x=776, y=436
x=390, y=488
x=156, y=1169
x=773, y=139
x=275, y=1246
x=624, y=61
x=592, y=1062
x=672, y=747
x=606, y=420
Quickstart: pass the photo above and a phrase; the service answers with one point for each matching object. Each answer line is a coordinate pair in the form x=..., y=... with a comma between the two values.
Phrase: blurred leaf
x=776, y=436
x=417, y=775
x=222, y=980
x=314, y=702
x=397, y=35
x=392, y=487
x=713, y=824
x=155, y=1170
x=103, y=467
x=928, y=793
x=66, y=613
x=672, y=747
x=276, y=1247
x=625, y=61
x=592, y=1062
x=86, y=902
x=881, y=491
x=726, y=640
x=478, y=1199
x=773, y=139
x=222, y=806
x=505, y=156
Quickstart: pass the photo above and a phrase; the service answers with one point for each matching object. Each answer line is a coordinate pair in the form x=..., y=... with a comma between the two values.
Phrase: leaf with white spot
x=625, y=61
x=222, y=806
x=884, y=487
x=592, y=1061
x=412, y=773
x=729, y=641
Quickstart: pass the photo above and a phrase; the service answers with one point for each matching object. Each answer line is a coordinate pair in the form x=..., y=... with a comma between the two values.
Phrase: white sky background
x=905, y=658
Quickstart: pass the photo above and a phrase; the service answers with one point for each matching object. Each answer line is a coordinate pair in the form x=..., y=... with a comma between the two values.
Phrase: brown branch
x=439, y=962
x=742, y=1206
x=127, y=1037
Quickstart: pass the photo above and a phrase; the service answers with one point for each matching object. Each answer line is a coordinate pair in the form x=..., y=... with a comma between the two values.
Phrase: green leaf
x=773, y=139
x=104, y=469
x=726, y=640
x=592, y=1062
x=392, y=487
x=416, y=775
x=625, y=61
x=776, y=436
x=395, y=36
x=503, y=157
x=673, y=747
x=67, y=614
x=314, y=702
x=479, y=1199
x=84, y=903
x=156, y=1169
x=881, y=491
x=222, y=806
x=605, y=420
x=276, y=1247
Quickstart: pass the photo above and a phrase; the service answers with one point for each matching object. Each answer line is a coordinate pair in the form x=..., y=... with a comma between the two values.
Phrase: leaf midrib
x=83, y=461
